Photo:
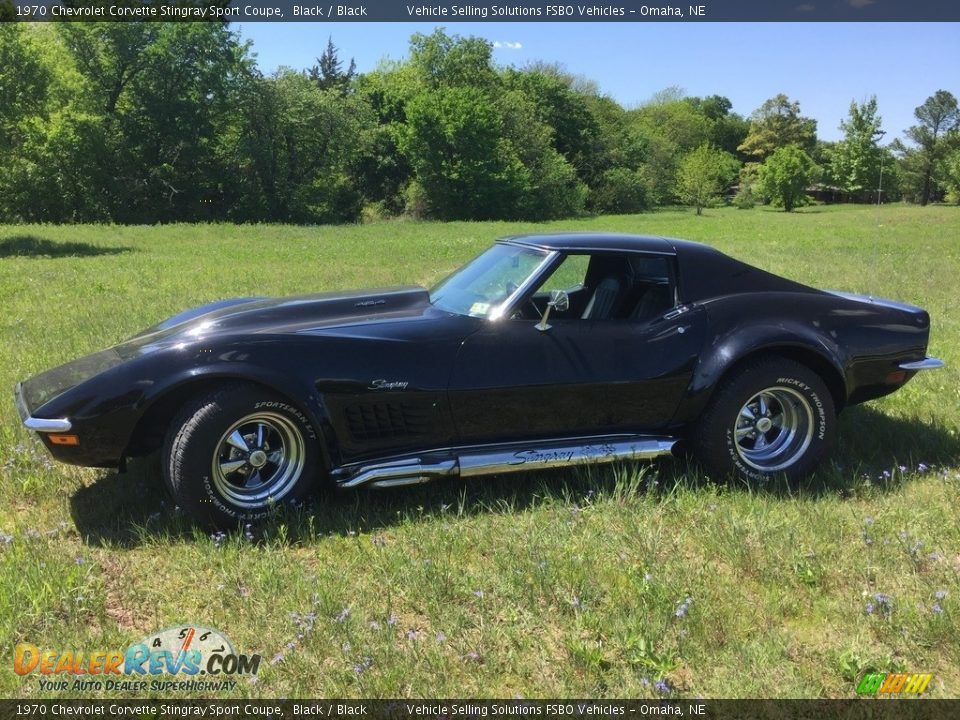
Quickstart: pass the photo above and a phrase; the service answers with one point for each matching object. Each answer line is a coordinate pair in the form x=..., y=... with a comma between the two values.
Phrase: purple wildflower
x=374, y=625
x=6, y=539
x=869, y=608
x=345, y=647
x=278, y=658
x=940, y=594
x=413, y=634
x=392, y=620
x=472, y=656
x=922, y=467
x=937, y=608
x=662, y=686
x=478, y=593
x=884, y=602
x=362, y=666
x=79, y=560
x=342, y=617
x=683, y=608
x=575, y=603
x=868, y=520
x=441, y=638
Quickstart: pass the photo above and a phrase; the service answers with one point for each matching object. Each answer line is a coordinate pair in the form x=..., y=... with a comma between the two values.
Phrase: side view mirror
x=558, y=300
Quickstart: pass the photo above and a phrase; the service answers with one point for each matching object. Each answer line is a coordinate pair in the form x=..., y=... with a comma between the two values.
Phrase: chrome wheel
x=258, y=460
x=773, y=429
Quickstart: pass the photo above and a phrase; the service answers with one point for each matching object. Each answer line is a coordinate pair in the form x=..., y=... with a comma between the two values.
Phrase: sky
x=822, y=65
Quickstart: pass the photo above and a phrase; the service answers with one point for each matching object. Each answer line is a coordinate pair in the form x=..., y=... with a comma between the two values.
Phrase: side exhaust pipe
x=497, y=460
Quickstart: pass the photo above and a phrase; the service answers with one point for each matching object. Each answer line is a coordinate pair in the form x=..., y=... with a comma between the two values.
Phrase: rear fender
x=790, y=339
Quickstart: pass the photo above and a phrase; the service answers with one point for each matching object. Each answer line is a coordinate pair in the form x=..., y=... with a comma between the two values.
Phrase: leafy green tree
x=451, y=60
x=294, y=151
x=935, y=136
x=467, y=168
x=785, y=176
x=855, y=161
x=576, y=133
x=479, y=146
x=329, y=74
x=776, y=124
x=950, y=172
x=728, y=129
x=703, y=176
x=621, y=190
x=162, y=129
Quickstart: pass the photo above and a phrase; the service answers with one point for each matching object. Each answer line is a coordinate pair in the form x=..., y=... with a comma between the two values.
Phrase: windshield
x=482, y=285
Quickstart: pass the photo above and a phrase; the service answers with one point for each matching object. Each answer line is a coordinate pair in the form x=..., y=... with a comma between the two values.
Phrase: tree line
x=158, y=122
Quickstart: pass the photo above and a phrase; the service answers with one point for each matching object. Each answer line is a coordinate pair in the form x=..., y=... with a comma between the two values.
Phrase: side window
x=571, y=275
x=611, y=286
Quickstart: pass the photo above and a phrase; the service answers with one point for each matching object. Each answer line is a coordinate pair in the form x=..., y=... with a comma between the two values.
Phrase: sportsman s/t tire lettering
x=232, y=454
x=773, y=416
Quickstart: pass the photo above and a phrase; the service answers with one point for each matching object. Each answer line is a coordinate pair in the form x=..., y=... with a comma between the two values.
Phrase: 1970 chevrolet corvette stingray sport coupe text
x=544, y=351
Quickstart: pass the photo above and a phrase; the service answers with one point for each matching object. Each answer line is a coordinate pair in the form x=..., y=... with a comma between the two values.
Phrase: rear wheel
x=773, y=416
x=233, y=454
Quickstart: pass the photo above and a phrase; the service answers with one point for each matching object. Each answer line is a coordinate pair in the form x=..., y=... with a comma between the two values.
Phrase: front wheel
x=773, y=416
x=233, y=454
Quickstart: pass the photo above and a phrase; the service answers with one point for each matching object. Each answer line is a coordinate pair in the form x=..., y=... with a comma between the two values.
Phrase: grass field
x=577, y=584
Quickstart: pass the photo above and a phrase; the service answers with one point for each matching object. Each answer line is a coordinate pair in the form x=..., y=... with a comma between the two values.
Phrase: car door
x=582, y=376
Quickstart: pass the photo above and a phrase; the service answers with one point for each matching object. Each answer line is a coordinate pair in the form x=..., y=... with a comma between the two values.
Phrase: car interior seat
x=604, y=299
x=655, y=301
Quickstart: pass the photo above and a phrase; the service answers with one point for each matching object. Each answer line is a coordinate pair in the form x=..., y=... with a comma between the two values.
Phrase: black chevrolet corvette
x=544, y=351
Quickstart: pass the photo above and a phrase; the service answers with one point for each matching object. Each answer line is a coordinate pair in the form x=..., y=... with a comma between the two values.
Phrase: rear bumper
x=42, y=425
x=928, y=363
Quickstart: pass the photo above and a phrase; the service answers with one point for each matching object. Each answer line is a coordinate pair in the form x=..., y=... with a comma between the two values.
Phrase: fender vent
x=380, y=421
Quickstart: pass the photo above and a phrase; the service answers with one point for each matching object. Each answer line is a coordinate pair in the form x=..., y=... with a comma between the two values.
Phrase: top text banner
x=478, y=11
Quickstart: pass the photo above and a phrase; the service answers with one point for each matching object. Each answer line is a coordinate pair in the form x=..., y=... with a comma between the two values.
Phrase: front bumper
x=42, y=425
x=928, y=363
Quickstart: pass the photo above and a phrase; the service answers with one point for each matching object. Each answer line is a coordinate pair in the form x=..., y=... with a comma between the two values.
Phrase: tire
x=230, y=456
x=781, y=406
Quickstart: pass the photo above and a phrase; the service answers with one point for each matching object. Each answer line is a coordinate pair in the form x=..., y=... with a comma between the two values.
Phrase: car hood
x=349, y=313
x=305, y=313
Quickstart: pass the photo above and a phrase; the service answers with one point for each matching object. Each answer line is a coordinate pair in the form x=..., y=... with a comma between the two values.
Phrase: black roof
x=704, y=271
x=595, y=241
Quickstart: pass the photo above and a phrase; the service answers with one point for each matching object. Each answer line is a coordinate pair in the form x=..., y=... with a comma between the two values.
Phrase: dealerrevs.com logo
x=897, y=683
x=197, y=657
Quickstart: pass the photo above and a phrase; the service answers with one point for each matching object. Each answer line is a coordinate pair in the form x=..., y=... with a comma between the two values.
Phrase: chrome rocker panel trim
x=500, y=459
x=928, y=363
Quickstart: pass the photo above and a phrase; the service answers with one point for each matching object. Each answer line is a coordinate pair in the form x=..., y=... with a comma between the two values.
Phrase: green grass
x=561, y=584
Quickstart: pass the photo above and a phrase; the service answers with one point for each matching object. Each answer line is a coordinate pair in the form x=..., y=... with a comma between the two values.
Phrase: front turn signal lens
x=60, y=439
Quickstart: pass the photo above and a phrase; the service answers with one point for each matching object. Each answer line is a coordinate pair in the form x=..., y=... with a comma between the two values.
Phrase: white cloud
x=506, y=45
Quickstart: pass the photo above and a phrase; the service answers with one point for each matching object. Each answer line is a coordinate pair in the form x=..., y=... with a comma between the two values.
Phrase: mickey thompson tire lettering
x=192, y=445
x=713, y=435
x=818, y=404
